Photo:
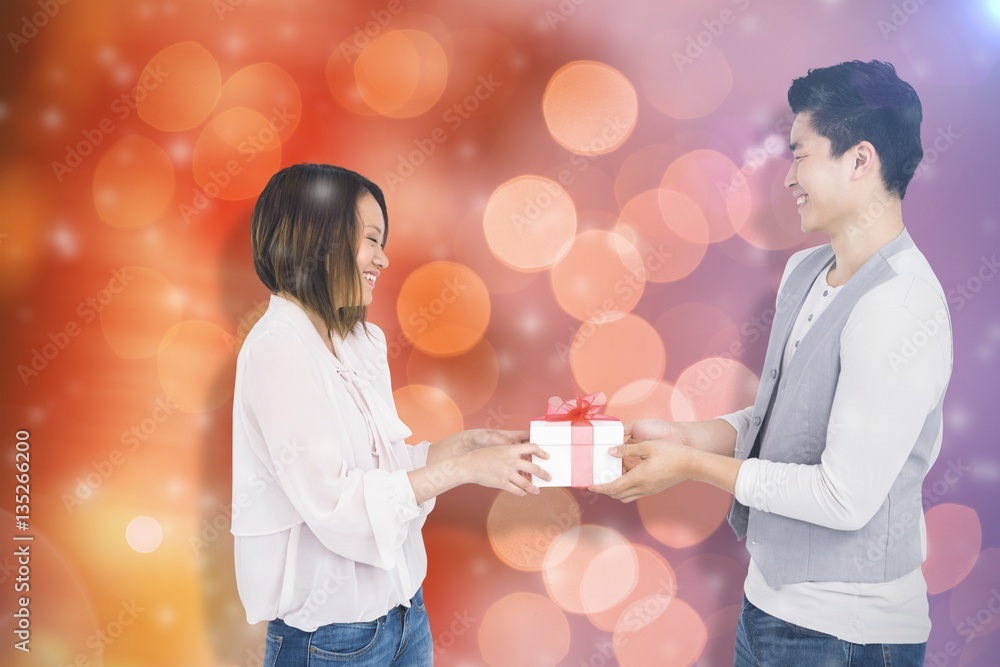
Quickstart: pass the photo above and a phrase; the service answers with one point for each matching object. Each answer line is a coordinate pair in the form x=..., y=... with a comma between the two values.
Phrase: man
x=827, y=465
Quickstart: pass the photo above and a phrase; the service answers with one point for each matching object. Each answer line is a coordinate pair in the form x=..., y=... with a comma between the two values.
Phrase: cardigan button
x=756, y=421
x=774, y=373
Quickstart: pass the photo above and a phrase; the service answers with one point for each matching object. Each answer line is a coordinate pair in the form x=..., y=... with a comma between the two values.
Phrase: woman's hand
x=505, y=467
x=650, y=429
x=481, y=438
x=471, y=440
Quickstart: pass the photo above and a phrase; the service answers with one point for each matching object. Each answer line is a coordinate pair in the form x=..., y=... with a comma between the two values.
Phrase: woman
x=328, y=499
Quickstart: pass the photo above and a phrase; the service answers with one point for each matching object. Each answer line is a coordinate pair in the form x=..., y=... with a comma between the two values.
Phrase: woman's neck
x=317, y=321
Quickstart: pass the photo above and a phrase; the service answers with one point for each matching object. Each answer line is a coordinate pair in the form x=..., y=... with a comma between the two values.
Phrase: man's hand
x=643, y=430
x=656, y=465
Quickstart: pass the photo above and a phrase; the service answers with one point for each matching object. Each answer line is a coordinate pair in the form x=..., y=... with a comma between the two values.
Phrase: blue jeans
x=765, y=641
x=401, y=638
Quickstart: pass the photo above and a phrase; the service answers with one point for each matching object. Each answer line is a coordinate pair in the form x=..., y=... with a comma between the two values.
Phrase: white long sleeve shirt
x=896, y=359
x=326, y=524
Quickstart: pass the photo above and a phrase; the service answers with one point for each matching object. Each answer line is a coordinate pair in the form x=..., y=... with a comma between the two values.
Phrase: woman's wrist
x=449, y=447
x=437, y=477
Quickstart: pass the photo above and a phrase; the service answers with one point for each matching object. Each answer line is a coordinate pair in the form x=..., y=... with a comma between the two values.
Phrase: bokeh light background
x=581, y=193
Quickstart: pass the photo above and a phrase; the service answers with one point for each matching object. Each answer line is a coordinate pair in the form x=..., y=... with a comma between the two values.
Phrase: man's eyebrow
x=794, y=146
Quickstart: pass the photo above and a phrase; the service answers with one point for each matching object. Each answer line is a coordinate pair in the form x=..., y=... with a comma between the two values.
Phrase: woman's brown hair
x=305, y=231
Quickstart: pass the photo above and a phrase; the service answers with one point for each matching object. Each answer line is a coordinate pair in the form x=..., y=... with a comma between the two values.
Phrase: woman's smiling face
x=371, y=256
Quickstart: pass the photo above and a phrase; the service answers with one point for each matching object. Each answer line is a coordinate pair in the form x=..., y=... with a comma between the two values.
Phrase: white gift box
x=556, y=438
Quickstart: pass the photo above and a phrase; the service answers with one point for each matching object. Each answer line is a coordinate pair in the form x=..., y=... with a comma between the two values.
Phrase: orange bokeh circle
x=723, y=622
x=655, y=631
x=712, y=180
x=643, y=170
x=444, y=308
x=524, y=629
x=772, y=222
x=590, y=108
x=682, y=87
x=270, y=91
x=401, y=73
x=428, y=412
x=610, y=354
x=529, y=222
x=179, y=87
x=576, y=564
x=669, y=231
x=469, y=379
x=710, y=581
x=717, y=386
x=236, y=154
x=685, y=514
x=954, y=537
x=601, y=275
x=340, y=78
x=521, y=528
x=469, y=242
x=194, y=359
x=136, y=319
x=650, y=399
x=655, y=578
x=133, y=183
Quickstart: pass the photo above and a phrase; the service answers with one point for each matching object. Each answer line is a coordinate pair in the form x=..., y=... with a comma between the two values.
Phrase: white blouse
x=326, y=524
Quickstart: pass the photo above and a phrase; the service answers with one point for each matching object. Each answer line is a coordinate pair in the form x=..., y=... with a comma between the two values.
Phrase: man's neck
x=855, y=243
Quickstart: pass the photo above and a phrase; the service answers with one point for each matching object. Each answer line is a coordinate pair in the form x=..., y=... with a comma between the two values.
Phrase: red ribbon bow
x=580, y=412
x=586, y=408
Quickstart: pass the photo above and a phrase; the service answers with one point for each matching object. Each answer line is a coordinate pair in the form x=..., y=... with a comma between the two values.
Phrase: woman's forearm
x=447, y=447
x=437, y=477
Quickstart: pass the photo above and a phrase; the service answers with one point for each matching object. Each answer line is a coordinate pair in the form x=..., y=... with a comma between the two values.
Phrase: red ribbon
x=580, y=412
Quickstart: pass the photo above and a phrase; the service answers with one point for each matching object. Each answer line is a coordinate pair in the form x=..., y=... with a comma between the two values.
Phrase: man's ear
x=865, y=159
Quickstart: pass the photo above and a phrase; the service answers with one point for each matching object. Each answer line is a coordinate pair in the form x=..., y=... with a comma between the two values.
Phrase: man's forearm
x=715, y=436
x=716, y=469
